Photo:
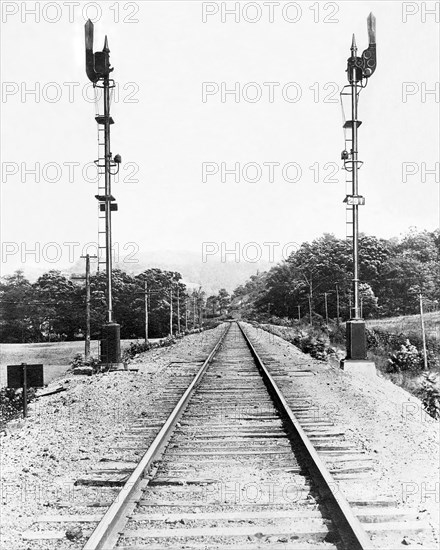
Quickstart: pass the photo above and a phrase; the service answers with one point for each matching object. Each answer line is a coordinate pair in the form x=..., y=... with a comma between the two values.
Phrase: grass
x=390, y=334
x=410, y=324
x=55, y=356
x=410, y=327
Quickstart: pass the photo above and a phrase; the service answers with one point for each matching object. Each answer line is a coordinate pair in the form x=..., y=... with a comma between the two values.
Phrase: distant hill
x=212, y=275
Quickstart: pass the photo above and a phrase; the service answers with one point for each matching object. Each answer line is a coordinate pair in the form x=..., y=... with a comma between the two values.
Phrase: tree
x=58, y=305
x=368, y=301
x=246, y=298
x=212, y=304
x=15, y=322
x=392, y=275
x=304, y=278
x=160, y=284
x=54, y=306
x=412, y=268
x=223, y=300
x=198, y=306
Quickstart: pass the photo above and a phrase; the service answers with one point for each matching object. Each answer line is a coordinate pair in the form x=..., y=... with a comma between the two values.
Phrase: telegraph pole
x=98, y=70
x=359, y=70
x=326, y=309
x=422, y=320
x=299, y=313
x=171, y=312
x=88, y=301
x=186, y=314
x=146, y=309
x=87, y=338
x=178, y=310
x=337, y=304
x=194, y=312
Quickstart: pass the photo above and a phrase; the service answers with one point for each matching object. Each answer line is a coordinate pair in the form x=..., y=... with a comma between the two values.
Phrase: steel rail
x=106, y=532
x=349, y=526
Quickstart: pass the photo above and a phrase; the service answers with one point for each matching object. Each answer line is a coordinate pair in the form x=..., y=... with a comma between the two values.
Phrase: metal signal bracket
x=350, y=123
x=101, y=119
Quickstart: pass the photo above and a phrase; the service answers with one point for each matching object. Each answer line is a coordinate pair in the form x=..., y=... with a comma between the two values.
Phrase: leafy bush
x=79, y=361
x=430, y=394
x=337, y=334
x=384, y=341
x=134, y=349
x=168, y=341
x=310, y=340
x=408, y=358
x=313, y=346
x=373, y=339
x=11, y=402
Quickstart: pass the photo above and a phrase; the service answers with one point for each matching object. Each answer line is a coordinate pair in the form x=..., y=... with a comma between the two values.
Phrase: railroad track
x=233, y=467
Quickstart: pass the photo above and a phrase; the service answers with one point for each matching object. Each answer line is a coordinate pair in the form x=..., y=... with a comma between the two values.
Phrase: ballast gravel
x=383, y=419
x=68, y=433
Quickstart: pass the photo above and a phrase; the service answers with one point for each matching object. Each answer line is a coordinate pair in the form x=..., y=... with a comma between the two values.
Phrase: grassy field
x=55, y=356
x=384, y=346
x=410, y=324
x=410, y=327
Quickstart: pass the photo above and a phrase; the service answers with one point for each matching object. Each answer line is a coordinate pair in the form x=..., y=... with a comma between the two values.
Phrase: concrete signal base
x=356, y=360
x=115, y=366
x=111, y=347
x=359, y=366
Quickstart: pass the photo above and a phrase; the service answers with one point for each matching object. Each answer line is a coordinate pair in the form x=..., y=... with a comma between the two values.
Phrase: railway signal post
x=359, y=70
x=98, y=70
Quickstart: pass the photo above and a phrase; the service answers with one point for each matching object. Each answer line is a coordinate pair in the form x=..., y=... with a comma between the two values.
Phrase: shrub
x=430, y=394
x=373, y=339
x=134, y=349
x=408, y=358
x=310, y=340
x=79, y=361
x=11, y=402
x=337, y=334
x=314, y=346
x=94, y=363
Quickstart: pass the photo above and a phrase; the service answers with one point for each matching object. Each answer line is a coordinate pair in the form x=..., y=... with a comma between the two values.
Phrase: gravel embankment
x=66, y=434
x=381, y=418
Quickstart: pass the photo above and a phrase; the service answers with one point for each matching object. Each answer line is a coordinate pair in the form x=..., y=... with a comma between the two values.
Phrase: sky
x=172, y=137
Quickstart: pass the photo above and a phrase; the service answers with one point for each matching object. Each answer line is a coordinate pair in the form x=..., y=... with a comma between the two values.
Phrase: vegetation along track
x=233, y=467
